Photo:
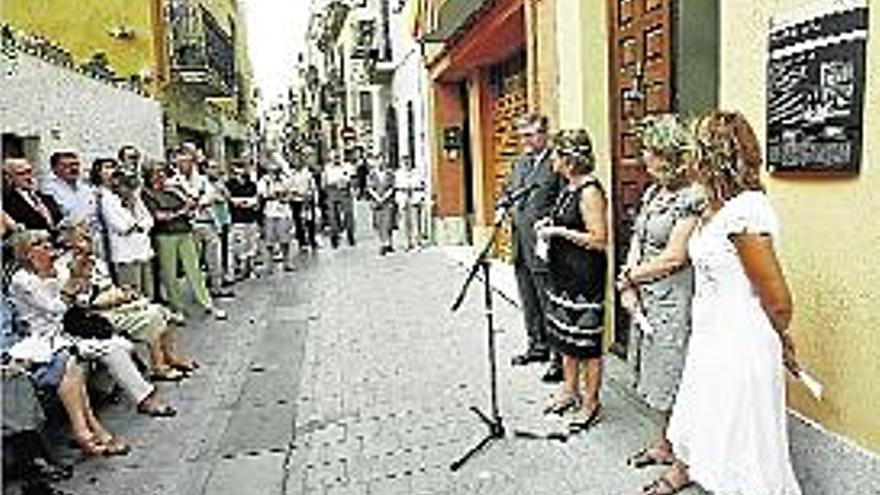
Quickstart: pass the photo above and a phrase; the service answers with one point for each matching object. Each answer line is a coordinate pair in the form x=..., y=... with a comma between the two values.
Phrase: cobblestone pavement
x=352, y=376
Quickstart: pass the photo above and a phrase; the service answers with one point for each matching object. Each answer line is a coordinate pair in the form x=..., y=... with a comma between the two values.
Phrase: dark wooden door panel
x=641, y=84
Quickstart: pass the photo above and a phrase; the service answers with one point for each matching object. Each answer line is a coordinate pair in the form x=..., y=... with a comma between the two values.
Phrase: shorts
x=277, y=230
x=244, y=239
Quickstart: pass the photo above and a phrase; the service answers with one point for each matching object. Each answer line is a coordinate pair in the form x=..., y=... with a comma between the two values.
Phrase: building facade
x=602, y=65
x=74, y=110
x=190, y=55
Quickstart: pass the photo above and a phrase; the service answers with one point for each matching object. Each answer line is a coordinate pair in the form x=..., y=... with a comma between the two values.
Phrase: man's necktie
x=38, y=204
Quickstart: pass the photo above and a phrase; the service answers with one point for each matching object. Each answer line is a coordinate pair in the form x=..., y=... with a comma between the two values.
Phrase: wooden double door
x=641, y=84
x=509, y=102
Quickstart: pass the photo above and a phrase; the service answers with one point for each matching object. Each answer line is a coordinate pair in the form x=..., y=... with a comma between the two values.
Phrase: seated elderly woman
x=61, y=373
x=37, y=362
x=125, y=309
x=35, y=290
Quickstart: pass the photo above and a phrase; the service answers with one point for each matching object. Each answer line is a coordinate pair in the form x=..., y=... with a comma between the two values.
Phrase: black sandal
x=163, y=411
x=115, y=447
x=186, y=367
x=167, y=375
x=560, y=406
x=582, y=423
x=664, y=486
x=643, y=458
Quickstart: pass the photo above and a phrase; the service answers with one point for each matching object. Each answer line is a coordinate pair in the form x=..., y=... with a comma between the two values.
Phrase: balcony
x=381, y=69
x=365, y=33
x=334, y=19
x=202, y=54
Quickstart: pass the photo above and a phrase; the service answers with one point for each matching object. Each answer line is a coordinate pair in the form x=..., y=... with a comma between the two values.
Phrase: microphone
x=510, y=199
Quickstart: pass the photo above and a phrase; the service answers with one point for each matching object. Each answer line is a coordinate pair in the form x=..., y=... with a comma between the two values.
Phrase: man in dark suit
x=23, y=202
x=533, y=171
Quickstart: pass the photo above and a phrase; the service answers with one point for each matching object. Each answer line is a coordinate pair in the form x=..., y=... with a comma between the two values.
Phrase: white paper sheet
x=812, y=384
x=643, y=323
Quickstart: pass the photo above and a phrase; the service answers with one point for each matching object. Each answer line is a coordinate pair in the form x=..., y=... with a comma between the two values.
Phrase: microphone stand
x=493, y=421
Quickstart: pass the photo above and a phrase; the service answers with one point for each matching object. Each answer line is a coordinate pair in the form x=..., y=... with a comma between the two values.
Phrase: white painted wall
x=410, y=83
x=68, y=110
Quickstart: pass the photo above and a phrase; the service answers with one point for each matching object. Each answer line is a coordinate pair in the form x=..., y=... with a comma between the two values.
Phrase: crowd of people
x=98, y=260
x=98, y=265
x=710, y=306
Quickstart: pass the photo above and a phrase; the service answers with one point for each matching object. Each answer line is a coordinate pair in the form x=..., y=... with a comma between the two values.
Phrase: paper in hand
x=542, y=249
x=813, y=385
x=643, y=323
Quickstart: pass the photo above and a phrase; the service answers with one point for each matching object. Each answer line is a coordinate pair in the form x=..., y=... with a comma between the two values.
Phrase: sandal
x=559, y=406
x=665, y=486
x=169, y=374
x=583, y=422
x=186, y=366
x=91, y=446
x=158, y=411
x=644, y=458
x=114, y=446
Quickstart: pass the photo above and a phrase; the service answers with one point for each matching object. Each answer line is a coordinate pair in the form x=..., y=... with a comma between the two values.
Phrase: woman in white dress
x=728, y=424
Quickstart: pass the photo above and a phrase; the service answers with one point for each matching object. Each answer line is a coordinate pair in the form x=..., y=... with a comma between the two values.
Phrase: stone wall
x=61, y=109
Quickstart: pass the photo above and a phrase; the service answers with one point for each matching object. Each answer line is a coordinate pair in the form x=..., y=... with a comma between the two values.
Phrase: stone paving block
x=258, y=428
x=349, y=489
x=376, y=378
x=248, y=475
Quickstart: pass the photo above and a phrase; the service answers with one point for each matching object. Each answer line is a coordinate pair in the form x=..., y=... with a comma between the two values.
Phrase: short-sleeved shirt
x=243, y=188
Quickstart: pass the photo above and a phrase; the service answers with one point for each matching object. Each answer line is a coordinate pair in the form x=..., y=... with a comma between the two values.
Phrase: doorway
x=467, y=164
x=641, y=83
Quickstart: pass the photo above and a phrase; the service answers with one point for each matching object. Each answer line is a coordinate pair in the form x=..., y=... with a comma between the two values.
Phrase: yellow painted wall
x=583, y=74
x=581, y=27
x=82, y=28
x=542, y=64
x=830, y=237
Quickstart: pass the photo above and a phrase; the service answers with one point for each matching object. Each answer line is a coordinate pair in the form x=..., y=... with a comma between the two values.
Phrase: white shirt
x=271, y=185
x=302, y=184
x=338, y=176
x=77, y=202
x=410, y=188
x=126, y=244
x=38, y=303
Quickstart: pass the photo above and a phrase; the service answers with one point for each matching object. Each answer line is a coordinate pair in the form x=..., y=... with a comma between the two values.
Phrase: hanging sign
x=816, y=88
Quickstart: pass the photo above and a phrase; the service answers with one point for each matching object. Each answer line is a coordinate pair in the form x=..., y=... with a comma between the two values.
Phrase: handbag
x=86, y=324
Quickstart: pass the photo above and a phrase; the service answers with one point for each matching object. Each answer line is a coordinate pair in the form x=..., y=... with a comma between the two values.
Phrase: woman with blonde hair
x=728, y=424
x=656, y=282
x=577, y=235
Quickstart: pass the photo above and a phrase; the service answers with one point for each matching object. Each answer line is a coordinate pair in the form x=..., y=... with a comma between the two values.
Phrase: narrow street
x=351, y=375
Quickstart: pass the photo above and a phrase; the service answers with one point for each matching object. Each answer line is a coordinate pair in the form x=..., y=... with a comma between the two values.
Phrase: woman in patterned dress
x=657, y=278
x=728, y=424
x=577, y=234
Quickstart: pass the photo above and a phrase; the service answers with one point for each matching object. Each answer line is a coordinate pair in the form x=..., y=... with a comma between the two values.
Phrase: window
x=365, y=106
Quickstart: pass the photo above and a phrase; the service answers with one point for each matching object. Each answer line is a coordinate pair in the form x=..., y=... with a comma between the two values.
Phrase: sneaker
x=222, y=292
x=176, y=317
x=218, y=313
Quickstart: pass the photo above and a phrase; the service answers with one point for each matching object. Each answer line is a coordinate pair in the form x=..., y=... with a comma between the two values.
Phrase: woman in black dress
x=576, y=234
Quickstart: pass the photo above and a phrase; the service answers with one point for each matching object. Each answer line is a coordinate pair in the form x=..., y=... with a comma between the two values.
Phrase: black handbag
x=81, y=322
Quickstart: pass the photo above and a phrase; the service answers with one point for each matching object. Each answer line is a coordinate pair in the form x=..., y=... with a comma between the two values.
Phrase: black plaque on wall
x=815, y=89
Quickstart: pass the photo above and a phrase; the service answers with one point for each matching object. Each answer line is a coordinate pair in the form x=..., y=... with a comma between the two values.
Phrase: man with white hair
x=205, y=231
x=23, y=202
